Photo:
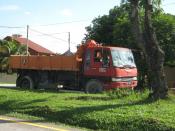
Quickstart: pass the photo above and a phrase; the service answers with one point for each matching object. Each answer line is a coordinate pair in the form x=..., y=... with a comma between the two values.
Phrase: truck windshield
x=122, y=58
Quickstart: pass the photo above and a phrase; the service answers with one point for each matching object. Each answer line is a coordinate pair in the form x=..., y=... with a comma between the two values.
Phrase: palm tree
x=8, y=48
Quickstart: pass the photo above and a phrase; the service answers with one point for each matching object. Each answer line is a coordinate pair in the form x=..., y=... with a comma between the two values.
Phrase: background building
x=33, y=48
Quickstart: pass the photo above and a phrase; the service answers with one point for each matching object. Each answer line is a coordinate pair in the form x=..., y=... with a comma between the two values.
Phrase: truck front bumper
x=111, y=85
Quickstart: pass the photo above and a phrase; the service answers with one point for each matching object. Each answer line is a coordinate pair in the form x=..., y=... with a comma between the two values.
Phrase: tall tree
x=115, y=29
x=147, y=41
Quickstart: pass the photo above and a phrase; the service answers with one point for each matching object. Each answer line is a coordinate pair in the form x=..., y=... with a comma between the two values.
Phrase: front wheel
x=27, y=82
x=93, y=87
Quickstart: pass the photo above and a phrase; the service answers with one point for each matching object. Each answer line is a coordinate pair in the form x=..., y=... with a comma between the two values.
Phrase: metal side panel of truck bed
x=57, y=62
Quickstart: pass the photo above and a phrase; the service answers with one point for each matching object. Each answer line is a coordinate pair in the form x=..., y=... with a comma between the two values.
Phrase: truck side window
x=97, y=56
x=87, y=58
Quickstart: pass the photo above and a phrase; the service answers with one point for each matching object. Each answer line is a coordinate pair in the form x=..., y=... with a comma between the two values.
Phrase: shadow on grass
x=89, y=98
x=50, y=114
x=48, y=90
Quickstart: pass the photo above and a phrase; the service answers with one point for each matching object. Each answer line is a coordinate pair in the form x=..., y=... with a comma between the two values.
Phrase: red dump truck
x=92, y=68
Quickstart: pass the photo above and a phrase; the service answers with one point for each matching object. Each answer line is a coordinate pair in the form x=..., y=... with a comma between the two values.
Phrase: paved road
x=13, y=124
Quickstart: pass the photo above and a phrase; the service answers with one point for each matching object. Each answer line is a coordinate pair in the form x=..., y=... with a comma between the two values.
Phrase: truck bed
x=57, y=62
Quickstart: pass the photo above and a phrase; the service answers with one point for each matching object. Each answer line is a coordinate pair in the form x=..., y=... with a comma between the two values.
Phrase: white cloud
x=27, y=13
x=9, y=7
x=66, y=12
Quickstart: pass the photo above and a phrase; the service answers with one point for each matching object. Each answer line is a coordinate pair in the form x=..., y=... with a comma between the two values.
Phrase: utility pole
x=27, y=42
x=69, y=40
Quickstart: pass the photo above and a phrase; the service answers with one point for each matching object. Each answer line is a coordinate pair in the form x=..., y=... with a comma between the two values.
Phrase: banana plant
x=8, y=48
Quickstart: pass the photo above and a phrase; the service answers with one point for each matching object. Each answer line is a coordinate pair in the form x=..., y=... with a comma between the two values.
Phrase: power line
x=57, y=33
x=53, y=33
x=68, y=22
x=11, y=27
x=52, y=24
x=50, y=36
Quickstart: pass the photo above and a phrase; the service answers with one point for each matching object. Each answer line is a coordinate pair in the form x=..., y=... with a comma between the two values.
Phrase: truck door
x=99, y=62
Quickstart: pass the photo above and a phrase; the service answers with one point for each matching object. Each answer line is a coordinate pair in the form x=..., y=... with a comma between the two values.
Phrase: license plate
x=129, y=82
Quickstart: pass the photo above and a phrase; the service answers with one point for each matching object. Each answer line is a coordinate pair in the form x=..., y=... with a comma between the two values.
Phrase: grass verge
x=98, y=112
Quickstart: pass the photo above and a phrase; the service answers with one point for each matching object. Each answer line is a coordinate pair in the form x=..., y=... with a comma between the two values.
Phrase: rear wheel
x=93, y=86
x=26, y=82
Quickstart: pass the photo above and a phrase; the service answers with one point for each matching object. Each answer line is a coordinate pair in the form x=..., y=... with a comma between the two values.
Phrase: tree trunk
x=136, y=29
x=155, y=56
x=150, y=46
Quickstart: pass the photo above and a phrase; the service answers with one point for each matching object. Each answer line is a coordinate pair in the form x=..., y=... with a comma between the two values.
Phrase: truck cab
x=107, y=67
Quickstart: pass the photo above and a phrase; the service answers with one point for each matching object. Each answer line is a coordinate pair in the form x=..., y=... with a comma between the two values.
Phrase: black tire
x=93, y=87
x=26, y=82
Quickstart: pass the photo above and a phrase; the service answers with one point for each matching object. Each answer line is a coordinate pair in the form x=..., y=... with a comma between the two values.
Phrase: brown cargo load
x=56, y=62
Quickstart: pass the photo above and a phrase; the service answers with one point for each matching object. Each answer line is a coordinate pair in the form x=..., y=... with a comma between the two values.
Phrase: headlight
x=134, y=78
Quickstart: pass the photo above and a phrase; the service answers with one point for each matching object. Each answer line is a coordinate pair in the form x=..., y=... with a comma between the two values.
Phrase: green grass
x=106, y=111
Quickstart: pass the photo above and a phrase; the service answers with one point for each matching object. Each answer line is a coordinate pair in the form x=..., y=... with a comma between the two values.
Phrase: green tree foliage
x=165, y=30
x=8, y=48
x=115, y=29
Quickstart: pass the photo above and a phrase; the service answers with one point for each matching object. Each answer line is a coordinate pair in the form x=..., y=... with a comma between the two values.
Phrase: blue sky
x=23, y=12
x=43, y=12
